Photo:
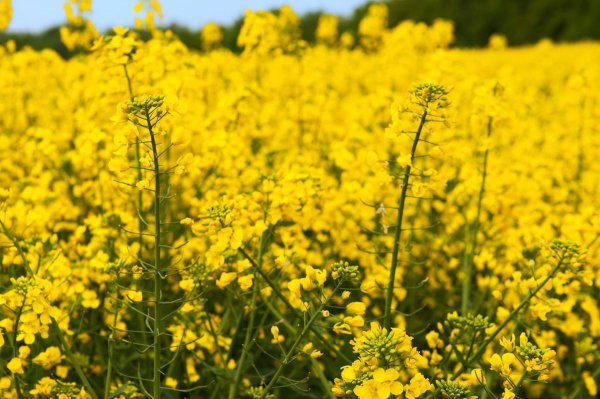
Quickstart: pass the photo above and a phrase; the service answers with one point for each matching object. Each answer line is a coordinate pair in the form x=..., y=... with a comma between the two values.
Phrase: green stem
x=292, y=350
x=157, y=275
x=73, y=360
x=511, y=316
x=240, y=365
x=110, y=343
x=581, y=384
x=387, y=320
x=287, y=303
x=19, y=312
x=326, y=384
x=294, y=331
x=15, y=353
x=466, y=289
x=140, y=204
x=16, y=244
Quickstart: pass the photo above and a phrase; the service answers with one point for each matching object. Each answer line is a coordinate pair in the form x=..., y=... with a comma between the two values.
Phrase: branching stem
x=292, y=351
x=387, y=320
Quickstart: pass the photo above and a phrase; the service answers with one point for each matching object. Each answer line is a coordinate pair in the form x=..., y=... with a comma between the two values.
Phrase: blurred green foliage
x=521, y=21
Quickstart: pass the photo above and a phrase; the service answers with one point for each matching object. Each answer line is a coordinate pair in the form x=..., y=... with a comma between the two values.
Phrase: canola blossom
x=373, y=216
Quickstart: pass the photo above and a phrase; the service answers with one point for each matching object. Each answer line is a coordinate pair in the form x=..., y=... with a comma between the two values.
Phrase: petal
x=379, y=375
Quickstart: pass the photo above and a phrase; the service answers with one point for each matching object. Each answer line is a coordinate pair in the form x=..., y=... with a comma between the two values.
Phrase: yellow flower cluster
x=5, y=13
x=80, y=32
x=391, y=217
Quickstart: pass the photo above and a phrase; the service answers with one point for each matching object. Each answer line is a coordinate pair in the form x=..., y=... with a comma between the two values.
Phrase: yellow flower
x=5, y=383
x=62, y=371
x=245, y=282
x=404, y=160
x=142, y=184
x=49, y=358
x=134, y=296
x=90, y=299
x=342, y=328
x=277, y=338
x=354, y=321
x=590, y=383
x=187, y=284
x=478, y=376
x=211, y=36
x=186, y=221
x=418, y=386
x=508, y=344
x=5, y=14
x=348, y=374
x=15, y=365
x=357, y=308
x=171, y=382
x=225, y=279
x=508, y=394
x=503, y=364
x=381, y=386
x=433, y=339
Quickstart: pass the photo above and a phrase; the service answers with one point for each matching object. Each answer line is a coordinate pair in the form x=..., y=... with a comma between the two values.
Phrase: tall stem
x=18, y=247
x=238, y=374
x=292, y=350
x=157, y=275
x=470, y=256
x=510, y=317
x=73, y=360
x=387, y=321
x=111, y=339
x=19, y=312
x=287, y=303
x=326, y=385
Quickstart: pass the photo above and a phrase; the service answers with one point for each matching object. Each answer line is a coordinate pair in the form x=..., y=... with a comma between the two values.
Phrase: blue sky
x=36, y=15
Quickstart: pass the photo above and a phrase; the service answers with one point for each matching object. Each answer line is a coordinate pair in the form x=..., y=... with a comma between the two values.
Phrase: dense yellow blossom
x=208, y=223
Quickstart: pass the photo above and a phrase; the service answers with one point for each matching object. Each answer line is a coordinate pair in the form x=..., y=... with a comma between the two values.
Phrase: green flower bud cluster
x=343, y=270
x=143, y=104
x=218, y=211
x=388, y=348
x=426, y=94
x=565, y=249
x=453, y=390
x=257, y=392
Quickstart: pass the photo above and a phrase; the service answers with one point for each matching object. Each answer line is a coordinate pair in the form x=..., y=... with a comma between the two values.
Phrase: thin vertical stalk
x=240, y=365
x=140, y=204
x=292, y=350
x=29, y=272
x=510, y=317
x=579, y=387
x=245, y=348
x=294, y=331
x=17, y=246
x=287, y=303
x=110, y=343
x=387, y=320
x=470, y=255
x=157, y=275
x=73, y=360
x=14, y=343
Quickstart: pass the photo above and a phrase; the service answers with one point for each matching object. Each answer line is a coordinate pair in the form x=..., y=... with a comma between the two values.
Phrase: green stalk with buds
x=424, y=95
